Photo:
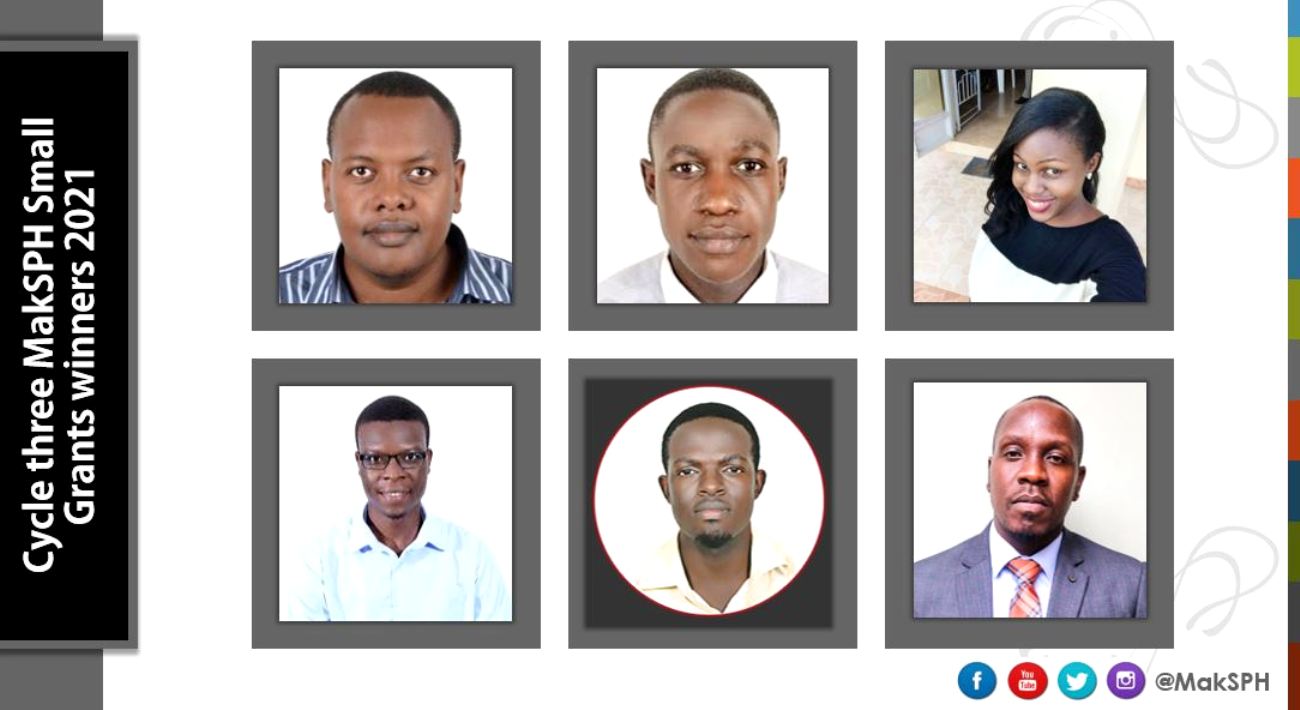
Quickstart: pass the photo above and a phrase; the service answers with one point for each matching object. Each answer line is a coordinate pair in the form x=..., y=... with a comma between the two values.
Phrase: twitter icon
x=1077, y=680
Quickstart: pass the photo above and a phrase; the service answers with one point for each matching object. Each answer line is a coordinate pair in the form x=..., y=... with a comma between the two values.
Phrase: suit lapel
x=1071, y=580
x=974, y=584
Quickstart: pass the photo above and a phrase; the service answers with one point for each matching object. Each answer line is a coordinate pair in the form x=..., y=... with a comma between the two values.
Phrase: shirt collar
x=362, y=539
x=1001, y=552
x=763, y=290
x=469, y=289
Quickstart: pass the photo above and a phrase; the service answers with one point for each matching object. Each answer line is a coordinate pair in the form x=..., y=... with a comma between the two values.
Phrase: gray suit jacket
x=639, y=283
x=1091, y=582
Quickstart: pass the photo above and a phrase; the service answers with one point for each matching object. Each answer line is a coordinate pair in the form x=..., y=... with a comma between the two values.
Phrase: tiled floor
x=948, y=208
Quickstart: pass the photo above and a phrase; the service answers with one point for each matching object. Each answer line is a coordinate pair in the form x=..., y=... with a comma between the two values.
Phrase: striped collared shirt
x=320, y=279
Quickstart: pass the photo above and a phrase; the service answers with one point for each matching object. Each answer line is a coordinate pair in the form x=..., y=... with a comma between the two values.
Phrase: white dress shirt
x=763, y=290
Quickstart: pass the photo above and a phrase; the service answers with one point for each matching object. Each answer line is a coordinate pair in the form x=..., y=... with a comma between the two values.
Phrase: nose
x=1033, y=471
x=1034, y=184
x=711, y=482
x=718, y=194
x=393, y=194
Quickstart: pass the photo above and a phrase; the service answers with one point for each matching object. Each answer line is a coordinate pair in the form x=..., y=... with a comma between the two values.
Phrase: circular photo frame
x=638, y=528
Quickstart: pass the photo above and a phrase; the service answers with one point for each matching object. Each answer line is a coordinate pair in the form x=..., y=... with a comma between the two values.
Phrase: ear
x=648, y=179
x=326, y=189
x=458, y=172
x=1094, y=162
x=1078, y=482
x=760, y=478
x=988, y=481
x=781, y=170
x=663, y=486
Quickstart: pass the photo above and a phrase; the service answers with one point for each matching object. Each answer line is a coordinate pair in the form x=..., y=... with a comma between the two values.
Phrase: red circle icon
x=1027, y=680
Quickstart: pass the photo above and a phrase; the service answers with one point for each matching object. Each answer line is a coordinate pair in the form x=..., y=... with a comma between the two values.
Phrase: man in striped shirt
x=393, y=181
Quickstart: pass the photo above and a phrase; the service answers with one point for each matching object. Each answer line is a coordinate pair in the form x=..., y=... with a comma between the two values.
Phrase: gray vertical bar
x=57, y=680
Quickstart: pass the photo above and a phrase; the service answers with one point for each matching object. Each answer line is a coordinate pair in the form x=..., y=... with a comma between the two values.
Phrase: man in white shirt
x=715, y=174
x=1025, y=564
x=715, y=564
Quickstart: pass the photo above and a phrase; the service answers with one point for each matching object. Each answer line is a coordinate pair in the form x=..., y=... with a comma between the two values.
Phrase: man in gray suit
x=1025, y=564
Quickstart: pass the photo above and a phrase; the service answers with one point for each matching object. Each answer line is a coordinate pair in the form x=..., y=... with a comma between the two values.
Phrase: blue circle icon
x=976, y=680
x=1077, y=680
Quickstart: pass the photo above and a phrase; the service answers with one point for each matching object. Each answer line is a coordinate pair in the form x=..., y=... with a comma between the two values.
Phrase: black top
x=1101, y=250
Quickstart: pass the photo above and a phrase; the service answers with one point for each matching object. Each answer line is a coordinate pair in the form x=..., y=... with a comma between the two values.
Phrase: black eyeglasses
x=409, y=460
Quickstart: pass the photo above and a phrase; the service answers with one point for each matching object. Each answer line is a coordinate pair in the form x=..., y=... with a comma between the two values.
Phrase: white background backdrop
x=482, y=100
x=633, y=517
x=194, y=574
x=469, y=472
x=627, y=222
x=952, y=433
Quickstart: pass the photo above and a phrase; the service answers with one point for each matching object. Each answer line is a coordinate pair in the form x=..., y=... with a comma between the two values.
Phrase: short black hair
x=398, y=84
x=393, y=409
x=1078, y=426
x=707, y=410
x=711, y=78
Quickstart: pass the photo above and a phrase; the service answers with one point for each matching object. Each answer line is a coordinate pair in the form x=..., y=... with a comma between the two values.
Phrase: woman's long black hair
x=1065, y=110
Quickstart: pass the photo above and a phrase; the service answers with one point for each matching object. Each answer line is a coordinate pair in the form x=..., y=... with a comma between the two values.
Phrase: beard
x=713, y=540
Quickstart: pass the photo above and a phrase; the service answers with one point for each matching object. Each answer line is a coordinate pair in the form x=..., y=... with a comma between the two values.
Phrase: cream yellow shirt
x=664, y=581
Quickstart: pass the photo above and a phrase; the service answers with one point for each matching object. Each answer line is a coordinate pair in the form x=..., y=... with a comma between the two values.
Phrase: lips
x=721, y=239
x=712, y=509
x=1038, y=206
x=1030, y=501
x=394, y=495
x=391, y=233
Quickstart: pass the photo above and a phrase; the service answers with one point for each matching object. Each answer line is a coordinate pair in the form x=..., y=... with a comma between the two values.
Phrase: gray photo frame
x=834, y=395
x=841, y=59
x=524, y=312
x=524, y=377
x=1157, y=313
x=904, y=631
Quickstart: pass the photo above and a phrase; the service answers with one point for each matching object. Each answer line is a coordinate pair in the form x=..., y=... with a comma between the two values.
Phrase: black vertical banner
x=65, y=205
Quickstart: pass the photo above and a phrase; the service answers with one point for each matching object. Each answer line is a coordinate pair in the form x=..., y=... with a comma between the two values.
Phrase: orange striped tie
x=1025, y=605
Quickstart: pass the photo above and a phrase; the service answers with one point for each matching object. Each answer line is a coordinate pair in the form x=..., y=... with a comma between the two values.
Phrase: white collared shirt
x=1004, y=580
x=763, y=290
x=664, y=580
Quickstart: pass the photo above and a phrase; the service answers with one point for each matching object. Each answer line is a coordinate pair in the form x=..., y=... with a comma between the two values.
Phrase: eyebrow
x=1053, y=159
x=733, y=458
x=1009, y=439
x=743, y=144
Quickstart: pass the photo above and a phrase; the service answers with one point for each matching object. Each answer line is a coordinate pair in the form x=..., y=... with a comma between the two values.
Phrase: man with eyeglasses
x=394, y=562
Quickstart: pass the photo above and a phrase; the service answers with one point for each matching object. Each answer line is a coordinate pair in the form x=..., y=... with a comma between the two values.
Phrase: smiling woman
x=1045, y=240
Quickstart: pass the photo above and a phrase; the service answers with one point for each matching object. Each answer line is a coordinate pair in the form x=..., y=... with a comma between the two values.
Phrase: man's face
x=1034, y=472
x=392, y=184
x=711, y=481
x=394, y=491
x=716, y=178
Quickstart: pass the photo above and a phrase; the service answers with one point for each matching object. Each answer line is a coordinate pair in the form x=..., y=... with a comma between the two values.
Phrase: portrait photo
x=709, y=500
x=1029, y=185
x=1029, y=175
x=1013, y=492
x=433, y=142
x=716, y=174
x=391, y=174
x=395, y=503
x=700, y=176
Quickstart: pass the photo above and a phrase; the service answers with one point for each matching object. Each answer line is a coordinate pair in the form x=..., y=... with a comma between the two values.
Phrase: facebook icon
x=976, y=680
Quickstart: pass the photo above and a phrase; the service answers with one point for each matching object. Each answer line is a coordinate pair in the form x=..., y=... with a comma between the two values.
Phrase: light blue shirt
x=1004, y=580
x=445, y=574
